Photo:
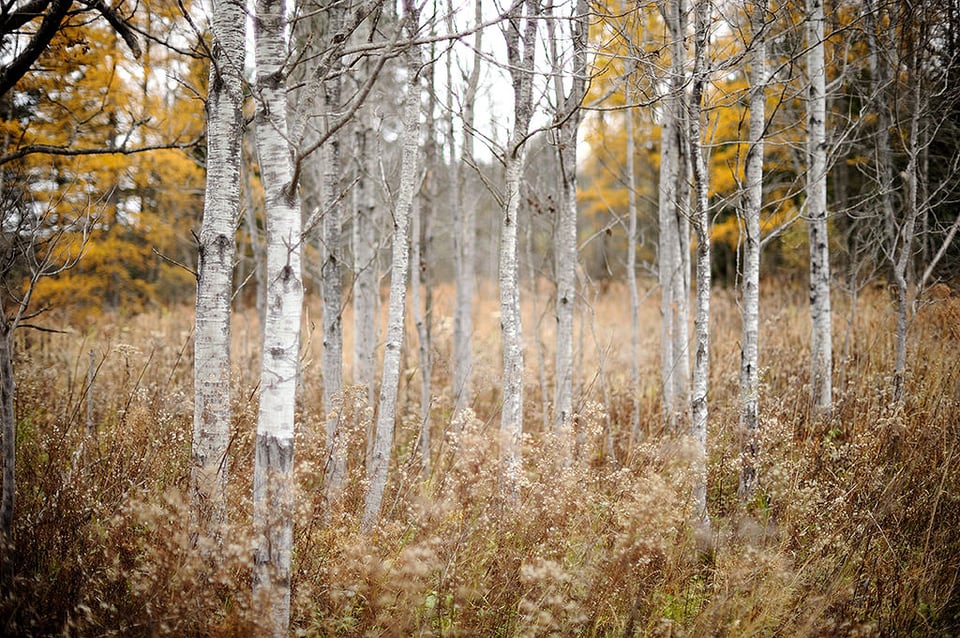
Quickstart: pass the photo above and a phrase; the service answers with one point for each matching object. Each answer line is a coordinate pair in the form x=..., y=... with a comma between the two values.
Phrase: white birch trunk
x=212, y=409
x=521, y=70
x=674, y=264
x=386, y=415
x=465, y=223
x=908, y=230
x=821, y=341
x=273, y=487
x=420, y=278
x=631, y=180
x=331, y=275
x=365, y=275
x=701, y=224
x=565, y=248
x=750, y=293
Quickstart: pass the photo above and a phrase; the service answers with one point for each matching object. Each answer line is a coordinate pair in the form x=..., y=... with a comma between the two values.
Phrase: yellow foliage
x=88, y=92
x=634, y=53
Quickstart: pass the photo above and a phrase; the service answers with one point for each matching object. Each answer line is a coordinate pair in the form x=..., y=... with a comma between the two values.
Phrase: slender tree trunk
x=331, y=270
x=632, y=264
x=212, y=411
x=821, y=342
x=421, y=278
x=365, y=275
x=565, y=248
x=273, y=506
x=674, y=264
x=904, y=251
x=750, y=287
x=520, y=52
x=465, y=235
x=701, y=225
x=389, y=384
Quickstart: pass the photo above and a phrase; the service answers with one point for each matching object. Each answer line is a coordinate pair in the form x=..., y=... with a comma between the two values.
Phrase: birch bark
x=821, y=341
x=904, y=249
x=331, y=275
x=211, y=375
x=750, y=292
x=568, y=117
x=383, y=437
x=701, y=225
x=674, y=264
x=632, y=264
x=273, y=502
x=465, y=224
x=520, y=55
x=365, y=275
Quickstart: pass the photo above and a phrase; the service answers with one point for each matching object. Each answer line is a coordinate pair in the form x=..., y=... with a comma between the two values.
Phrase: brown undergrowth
x=855, y=529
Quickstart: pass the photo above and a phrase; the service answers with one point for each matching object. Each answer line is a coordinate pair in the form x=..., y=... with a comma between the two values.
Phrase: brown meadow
x=855, y=528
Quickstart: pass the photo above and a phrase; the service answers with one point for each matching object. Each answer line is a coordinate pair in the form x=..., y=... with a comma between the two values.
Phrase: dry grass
x=855, y=529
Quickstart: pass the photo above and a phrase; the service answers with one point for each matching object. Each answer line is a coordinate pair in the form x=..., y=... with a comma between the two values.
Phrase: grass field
x=855, y=529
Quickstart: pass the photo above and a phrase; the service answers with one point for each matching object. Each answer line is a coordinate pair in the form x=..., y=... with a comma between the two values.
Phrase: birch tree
x=225, y=124
x=421, y=288
x=364, y=240
x=273, y=486
x=331, y=268
x=821, y=342
x=673, y=242
x=567, y=118
x=379, y=466
x=520, y=56
x=465, y=218
x=701, y=226
x=750, y=285
x=632, y=259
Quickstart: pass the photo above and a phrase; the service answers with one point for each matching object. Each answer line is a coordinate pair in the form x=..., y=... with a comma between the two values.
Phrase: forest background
x=539, y=227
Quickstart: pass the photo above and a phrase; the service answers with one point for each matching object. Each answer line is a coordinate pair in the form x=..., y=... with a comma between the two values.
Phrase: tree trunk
x=821, y=342
x=273, y=506
x=568, y=116
x=465, y=223
x=383, y=438
x=904, y=251
x=365, y=275
x=331, y=275
x=521, y=71
x=750, y=287
x=212, y=410
x=674, y=265
x=632, y=263
x=701, y=224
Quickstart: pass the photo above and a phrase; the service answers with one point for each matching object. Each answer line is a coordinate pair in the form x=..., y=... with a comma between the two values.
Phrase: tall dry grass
x=855, y=528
